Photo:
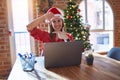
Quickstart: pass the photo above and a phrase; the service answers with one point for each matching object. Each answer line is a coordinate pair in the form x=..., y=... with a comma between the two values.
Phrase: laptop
x=59, y=54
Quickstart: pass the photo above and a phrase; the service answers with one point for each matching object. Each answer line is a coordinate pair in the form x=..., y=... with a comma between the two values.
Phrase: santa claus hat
x=55, y=11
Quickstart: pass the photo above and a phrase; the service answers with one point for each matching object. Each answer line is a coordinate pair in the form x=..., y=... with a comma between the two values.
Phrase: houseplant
x=89, y=57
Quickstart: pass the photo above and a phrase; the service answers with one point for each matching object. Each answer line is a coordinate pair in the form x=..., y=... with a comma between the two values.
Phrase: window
x=20, y=18
x=19, y=15
x=99, y=15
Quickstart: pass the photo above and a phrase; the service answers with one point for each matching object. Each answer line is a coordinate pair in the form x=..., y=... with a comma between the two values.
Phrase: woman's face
x=57, y=23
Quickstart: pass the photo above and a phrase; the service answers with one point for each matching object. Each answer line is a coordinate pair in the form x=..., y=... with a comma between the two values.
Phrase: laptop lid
x=57, y=54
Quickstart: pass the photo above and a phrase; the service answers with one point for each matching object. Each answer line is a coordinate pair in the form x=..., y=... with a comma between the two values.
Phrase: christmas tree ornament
x=79, y=10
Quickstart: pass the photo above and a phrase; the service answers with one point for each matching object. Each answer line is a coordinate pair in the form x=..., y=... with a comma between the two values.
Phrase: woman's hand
x=61, y=34
x=46, y=17
x=49, y=16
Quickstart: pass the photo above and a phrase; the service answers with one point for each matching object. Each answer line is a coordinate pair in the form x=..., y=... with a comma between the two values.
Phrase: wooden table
x=103, y=68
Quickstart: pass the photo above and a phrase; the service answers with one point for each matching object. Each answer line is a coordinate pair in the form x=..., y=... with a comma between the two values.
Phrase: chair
x=114, y=53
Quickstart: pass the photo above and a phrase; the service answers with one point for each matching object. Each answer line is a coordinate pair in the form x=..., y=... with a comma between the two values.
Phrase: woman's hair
x=51, y=30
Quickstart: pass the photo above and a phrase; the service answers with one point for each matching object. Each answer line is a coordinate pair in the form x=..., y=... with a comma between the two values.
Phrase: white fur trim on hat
x=59, y=15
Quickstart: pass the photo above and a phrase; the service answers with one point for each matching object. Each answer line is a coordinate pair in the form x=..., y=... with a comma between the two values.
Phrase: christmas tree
x=74, y=24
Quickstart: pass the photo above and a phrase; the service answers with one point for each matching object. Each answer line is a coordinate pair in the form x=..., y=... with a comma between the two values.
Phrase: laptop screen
x=57, y=54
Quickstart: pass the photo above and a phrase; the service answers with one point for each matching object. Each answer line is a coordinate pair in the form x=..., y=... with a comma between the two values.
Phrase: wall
x=115, y=4
x=5, y=63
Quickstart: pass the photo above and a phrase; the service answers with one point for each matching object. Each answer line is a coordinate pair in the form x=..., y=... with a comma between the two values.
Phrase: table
x=103, y=68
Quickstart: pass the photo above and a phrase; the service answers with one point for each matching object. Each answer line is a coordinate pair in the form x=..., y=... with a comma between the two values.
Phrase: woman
x=56, y=34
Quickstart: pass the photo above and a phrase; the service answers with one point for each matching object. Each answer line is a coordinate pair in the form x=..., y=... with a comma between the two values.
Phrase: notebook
x=59, y=54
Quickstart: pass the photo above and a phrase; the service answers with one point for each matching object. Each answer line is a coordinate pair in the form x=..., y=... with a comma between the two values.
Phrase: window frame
x=103, y=30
